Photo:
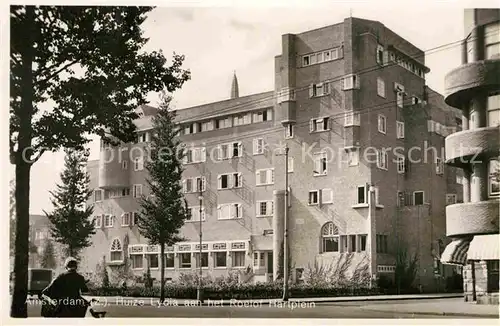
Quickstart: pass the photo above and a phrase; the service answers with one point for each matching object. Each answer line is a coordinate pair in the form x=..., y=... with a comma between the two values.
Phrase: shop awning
x=484, y=247
x=456, y=252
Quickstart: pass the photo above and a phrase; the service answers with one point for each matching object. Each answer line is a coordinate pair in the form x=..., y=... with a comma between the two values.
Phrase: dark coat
x=66, y=289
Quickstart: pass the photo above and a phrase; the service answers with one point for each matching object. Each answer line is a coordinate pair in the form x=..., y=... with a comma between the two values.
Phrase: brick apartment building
x=474, y=87
x=342, y=94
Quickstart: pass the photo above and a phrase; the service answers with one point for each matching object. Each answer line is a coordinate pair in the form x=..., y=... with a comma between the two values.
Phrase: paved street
x=375, y=309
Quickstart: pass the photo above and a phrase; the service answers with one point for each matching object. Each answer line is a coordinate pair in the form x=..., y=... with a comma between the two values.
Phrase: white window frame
x=289, y=131
x=233, y=259
x=380, y=87
x=259, y=146
x=98, y=221
x=493, y=109
x=137, y=190
x=309, y=201
x=352, y=118
x=217, y=253
x=380, y=48
x=184, y=265
x=101, y=191
x=194, y=215
x=195, y=151
x=269, y=177
x=491, y=40
x=451, y=199
x=207, y=126
x=401, y=164
x=400, y=130
x=126, y=216
x=353, y=156
x=230, y=150
x=290, y=164
x=400, y=91
x=319, y=89
x=319, y=170
x=108, y=220
x=382, y=159
x=314, y=123
x=423, y=196
x=269, y=208
x=112, y=248
x=230, y=180
x=235, y=211
x=491, y=174
x=382, y=124
x=350, y=81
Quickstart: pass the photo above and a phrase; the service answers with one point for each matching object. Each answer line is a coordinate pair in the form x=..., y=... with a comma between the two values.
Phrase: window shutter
x=386, y=57
x=203, y=154
x=240, y=180
x=240, y=149
x=230, y=181
x=270, y=176
x=317, y=164
x=255, y=145
x=240, y=210
x=311, y=90
x=270, y=208
x=203, y=183
x=184, y=186
x=311, y=125
x=257, y=177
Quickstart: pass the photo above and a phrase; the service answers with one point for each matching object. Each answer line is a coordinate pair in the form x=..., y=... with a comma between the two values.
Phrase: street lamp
x=199, y=294
x=285, y=228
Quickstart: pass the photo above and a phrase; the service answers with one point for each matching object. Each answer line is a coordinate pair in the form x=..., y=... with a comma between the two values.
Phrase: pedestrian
x=66, y=292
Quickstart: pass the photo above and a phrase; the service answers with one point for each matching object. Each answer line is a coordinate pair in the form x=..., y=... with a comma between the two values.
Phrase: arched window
x=116, y=250
x=330, y=237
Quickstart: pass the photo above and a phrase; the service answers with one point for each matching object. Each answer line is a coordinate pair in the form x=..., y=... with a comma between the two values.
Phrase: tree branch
x=55, y=73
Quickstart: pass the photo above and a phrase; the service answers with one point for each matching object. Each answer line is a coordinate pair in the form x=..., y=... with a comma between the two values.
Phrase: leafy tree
x=12, y=217
x=71, y=224
x=47, y=259
x=406, y=270
x=163, y=213
x=88, y=65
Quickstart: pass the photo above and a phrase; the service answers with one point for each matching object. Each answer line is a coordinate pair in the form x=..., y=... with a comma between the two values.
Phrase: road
x=308, y=310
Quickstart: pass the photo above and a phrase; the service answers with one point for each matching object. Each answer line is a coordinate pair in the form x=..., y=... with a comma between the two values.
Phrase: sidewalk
x=192, y=302
x=454, y=307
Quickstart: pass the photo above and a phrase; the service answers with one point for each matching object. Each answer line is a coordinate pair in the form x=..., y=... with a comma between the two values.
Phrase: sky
x=218, y=41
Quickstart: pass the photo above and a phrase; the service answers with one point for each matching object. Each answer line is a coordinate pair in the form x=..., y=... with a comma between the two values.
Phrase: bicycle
x=51, y=308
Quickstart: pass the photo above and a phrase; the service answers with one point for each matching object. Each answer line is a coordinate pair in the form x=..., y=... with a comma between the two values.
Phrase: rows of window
x=322, y=56
x=228, y=122
x=108, y=220
x=384, y=57
x=332, y=241
x=102, y=194
x=440, y=129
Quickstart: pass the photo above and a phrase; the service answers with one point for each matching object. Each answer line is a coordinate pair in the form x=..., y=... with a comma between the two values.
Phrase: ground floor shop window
x=168, y=261
x=153, y=261
x=220, y=259
x=185, y=260
x=137, y=261
x=204, y=259
x=238, y=259
x=493, y=279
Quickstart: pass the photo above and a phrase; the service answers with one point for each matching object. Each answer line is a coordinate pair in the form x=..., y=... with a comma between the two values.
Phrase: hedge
x=239, y=292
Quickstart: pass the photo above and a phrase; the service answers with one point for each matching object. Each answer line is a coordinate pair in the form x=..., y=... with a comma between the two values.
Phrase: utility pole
x=199, y=293
x=371, y=237
x=285, y=228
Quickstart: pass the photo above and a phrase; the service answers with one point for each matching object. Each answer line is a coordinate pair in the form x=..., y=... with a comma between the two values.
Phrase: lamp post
x=285, y=228
x=199, y=294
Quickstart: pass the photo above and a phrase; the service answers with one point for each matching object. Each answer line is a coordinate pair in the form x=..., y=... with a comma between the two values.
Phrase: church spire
x=235, y=92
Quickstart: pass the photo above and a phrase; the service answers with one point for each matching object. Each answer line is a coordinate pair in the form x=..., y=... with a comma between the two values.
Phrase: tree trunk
x=23, y=166
x=162, y=273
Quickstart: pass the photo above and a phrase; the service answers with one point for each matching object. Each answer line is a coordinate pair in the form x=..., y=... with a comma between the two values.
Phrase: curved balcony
x=476, y=144
x=465, y=81
x=111, y=172
x=472, y=218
